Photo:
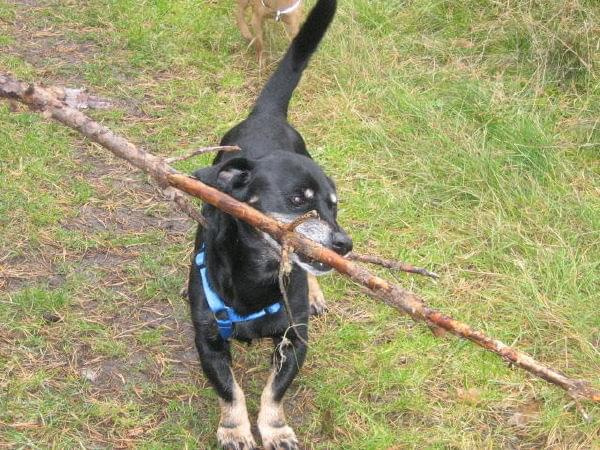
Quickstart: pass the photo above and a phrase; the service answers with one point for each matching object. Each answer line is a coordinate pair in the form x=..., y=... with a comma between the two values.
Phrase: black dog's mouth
x=312, y=265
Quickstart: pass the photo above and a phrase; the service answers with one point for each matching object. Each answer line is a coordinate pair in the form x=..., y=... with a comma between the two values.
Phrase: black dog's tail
x=277, y=93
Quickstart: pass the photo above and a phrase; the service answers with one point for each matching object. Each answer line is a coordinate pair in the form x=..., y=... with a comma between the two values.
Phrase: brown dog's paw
x=236, y=438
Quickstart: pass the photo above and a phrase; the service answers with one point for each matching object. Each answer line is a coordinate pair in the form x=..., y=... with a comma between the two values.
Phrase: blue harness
x=225, y=315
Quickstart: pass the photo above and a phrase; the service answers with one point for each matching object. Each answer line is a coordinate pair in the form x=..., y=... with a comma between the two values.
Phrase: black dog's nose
x=341, y=243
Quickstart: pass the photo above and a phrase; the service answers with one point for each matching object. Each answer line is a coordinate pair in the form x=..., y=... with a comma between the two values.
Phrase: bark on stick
x=43, y=100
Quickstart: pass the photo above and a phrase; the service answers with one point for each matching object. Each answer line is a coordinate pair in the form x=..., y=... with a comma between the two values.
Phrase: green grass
x=463, y=136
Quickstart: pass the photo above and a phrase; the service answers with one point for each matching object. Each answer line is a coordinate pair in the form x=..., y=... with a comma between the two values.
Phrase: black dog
x=233, y=286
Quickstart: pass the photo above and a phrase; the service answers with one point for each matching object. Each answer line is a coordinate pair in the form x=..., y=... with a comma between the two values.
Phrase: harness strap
x=281, y=12
x=225, y=315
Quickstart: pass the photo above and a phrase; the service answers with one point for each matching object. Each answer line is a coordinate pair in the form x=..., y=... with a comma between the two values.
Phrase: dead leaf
x=472, y=396
x=135, y=432
x=24, y=425
x=327, y=422
x=45, y=33
x=525, y=414
x=90, y=374
x=463, y=43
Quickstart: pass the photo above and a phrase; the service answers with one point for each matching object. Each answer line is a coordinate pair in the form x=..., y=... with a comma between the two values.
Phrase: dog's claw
x=238, y=445
x=278, y=438
x=283, y=444
x=317, y=302
x=235, y=439
x=316, y=309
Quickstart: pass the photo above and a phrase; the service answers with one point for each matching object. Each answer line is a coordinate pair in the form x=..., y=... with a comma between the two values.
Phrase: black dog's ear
x=227, y=176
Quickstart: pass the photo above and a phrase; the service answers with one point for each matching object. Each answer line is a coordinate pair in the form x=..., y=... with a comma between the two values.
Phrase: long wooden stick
x=38, y=98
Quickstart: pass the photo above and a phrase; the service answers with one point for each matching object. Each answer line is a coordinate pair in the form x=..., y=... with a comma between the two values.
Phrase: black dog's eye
x=298, y=200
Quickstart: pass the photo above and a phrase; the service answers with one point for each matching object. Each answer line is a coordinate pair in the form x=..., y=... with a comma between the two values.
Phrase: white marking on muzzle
x=314, y=229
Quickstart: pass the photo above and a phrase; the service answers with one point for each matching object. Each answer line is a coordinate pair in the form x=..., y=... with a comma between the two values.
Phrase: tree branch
x=40, y=99
x=202, y=151
x=390, y=264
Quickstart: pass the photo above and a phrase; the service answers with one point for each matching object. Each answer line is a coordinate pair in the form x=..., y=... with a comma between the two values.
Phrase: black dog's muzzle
x=339, y=242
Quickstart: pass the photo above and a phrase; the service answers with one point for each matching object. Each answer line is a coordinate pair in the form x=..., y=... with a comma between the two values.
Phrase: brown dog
x=288, y=11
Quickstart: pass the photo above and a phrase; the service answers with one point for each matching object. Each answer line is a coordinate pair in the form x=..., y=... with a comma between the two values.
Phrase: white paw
x=316, y=300
x=237, y=438
x=278, y=438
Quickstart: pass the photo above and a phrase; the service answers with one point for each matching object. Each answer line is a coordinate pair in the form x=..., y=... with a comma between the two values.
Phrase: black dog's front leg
x=234, y=428
x=287, y=360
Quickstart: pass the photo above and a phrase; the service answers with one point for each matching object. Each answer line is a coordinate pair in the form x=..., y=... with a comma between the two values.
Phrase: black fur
x=271, y=171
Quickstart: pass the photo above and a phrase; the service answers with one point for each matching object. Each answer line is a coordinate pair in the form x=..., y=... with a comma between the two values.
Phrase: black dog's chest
x=252, y=294
x=266, y=326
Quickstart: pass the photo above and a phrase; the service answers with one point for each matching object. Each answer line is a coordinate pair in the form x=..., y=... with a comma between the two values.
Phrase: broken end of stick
x=582, y=390
x=430, y=274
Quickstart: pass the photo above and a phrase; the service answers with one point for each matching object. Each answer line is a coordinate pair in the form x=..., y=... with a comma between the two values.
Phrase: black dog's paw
x=278, y=438
x=241, y=445
x=238, y=446
x=316, y=299
x=236, y=439
x=283, y=444
x=318, y=307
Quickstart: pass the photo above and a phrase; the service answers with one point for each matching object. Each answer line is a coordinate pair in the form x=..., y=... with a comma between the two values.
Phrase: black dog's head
x=284, y=186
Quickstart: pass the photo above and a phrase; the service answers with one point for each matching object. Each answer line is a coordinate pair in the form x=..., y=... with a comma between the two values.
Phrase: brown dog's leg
x=316, y=299
x=292, y=22
x=257, y=21
x=241, y=20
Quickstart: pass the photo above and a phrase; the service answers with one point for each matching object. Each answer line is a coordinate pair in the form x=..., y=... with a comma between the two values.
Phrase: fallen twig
x=41, y=99
x=202, y=151
x=390, y=264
